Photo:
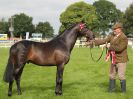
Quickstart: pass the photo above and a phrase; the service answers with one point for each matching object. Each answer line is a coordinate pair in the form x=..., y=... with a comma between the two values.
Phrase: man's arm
x=102, y=41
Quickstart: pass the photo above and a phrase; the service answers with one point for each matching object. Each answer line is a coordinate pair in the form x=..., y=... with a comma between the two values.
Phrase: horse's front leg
x=59, y=79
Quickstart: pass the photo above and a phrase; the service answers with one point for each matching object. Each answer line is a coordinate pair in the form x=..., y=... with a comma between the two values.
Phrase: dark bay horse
x=53, y=53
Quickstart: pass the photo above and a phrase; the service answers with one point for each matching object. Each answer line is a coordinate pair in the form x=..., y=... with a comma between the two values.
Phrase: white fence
x=6, y=43
x=130, y=42
x=79, y=43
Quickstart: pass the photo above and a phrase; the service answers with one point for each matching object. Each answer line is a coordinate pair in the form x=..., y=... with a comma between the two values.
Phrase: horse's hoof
x=9, y=94
x=58, y=93
x=19, y=93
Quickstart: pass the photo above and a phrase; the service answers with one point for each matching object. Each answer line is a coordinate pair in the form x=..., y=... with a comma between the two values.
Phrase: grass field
x=83, y=78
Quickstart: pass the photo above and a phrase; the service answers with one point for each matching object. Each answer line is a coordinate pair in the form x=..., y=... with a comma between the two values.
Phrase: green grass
x=83, y=78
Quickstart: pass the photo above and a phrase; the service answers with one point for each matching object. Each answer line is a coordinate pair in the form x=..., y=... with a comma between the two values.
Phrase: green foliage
x=22, y=24
x=107, y=14
x=128, y=20
x=4, y=27
x=77, y=12
x=45, y=28
x=83, y=78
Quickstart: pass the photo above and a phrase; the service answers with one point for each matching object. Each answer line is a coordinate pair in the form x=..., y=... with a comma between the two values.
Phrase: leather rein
x=96, y=60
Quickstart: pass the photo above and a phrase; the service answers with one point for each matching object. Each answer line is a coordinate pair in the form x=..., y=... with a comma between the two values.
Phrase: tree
x=4, y=26
x=77, y=12
x=128, y=20
x=22, y=24
x=107, y=14
x=45, y=28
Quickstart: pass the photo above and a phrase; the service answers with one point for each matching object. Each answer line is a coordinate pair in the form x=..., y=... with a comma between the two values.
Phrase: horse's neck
x=70, y=39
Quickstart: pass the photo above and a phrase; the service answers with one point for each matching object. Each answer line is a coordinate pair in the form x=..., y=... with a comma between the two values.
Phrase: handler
x=118, y=52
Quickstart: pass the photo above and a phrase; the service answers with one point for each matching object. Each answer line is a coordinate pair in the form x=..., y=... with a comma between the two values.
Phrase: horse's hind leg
x=10, y=88
x=17, y=78
x=59, y=79
x=21, y=61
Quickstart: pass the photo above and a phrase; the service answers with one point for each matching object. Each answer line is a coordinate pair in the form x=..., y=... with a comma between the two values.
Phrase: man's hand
x=90, y=43
x=107, y=46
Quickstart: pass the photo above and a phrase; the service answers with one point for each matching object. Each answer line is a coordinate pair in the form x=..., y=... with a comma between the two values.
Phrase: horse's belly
x=43, y=61
x=49, y=59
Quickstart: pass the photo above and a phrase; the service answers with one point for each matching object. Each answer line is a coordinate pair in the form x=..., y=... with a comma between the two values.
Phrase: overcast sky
x=46, y=10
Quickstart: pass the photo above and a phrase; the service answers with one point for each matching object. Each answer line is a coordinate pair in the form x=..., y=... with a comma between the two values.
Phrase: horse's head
x=84, y=31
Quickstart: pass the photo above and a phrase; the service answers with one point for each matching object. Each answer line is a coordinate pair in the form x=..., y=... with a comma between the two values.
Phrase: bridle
x=82, y=30
x=82, y=25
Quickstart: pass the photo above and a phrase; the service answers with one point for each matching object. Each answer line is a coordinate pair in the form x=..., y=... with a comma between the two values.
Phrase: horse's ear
x=84, y=24
x=82, y=21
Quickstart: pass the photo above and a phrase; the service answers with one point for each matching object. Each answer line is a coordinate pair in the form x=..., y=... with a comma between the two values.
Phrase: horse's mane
x=66, y=30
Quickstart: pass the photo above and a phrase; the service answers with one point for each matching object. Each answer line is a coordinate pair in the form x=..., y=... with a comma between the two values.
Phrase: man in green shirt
x=118, y=44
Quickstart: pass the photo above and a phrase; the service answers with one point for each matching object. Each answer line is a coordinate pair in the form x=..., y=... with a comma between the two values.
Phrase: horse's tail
x=12, y=68
x=8, y=74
